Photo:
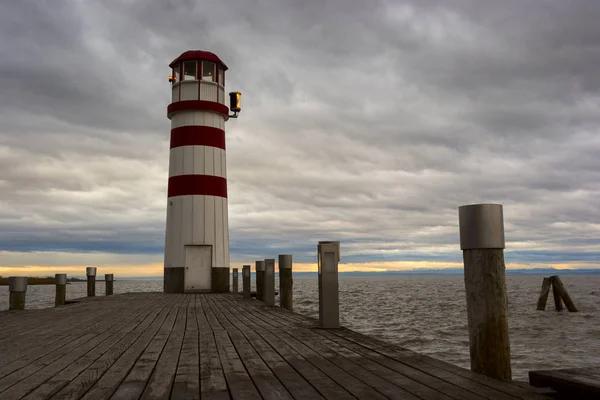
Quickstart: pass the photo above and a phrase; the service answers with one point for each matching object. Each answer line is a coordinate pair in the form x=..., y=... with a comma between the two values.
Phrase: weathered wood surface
x=487, y=312
x=574, y=383
x=541, y=306
x=564, y=295
x=214, y=346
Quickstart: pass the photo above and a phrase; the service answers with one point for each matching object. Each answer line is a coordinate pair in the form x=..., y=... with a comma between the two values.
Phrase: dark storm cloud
x=365, y=122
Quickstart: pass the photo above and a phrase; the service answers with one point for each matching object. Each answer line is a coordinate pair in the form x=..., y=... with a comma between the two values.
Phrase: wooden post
x=246, y=280
x=17, y=286
x=328, y=256
x=556, y=295
x=269, y=282
x=109, y=280
x=260, y=279
x=235, y=280
x=286, y=282
x=61, y=289
x=482, y=242
x=544, y=295
x=557, y=286
x=90, y=273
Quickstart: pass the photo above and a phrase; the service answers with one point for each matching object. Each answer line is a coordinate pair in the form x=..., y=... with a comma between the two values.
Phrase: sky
x=367, y=122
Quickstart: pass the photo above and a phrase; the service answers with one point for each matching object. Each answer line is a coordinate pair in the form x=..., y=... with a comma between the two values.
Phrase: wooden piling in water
x=557, y=301
x=544, y=294
x=482, y=242
x=260, y=279
x=235, y=280
x=286, y=282
x=90, y=273
x=559, y=291
x=61, y=289
x=109, y=280
x=17, y=286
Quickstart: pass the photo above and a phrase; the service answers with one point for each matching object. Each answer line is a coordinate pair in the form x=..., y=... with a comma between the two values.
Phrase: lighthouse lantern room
x=197, y=228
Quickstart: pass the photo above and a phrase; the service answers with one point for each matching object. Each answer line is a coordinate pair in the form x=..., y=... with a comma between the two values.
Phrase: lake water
x=428, y=314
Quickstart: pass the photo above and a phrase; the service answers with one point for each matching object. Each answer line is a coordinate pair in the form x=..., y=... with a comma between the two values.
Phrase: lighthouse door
x=198, y=260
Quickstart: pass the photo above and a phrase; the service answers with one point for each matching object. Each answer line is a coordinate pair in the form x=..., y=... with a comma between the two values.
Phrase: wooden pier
x=214, y=346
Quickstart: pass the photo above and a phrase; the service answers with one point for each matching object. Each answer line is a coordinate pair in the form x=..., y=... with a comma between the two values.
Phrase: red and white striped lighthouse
x=197, y=229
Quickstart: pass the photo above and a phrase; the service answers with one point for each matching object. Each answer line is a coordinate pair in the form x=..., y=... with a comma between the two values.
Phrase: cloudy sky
x=368, y=122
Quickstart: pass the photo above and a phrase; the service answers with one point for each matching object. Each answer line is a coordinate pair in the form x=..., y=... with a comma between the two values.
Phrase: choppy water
x=428, y=314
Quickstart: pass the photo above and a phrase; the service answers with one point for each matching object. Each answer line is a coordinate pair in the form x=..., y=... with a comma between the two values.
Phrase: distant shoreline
x=353, y=274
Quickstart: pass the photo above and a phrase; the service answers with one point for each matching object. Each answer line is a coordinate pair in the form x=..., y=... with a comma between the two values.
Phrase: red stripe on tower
x=197, y=136
x=207, y=185
x=200, y=105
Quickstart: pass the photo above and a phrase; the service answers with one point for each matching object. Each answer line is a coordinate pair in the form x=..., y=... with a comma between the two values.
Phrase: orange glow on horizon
x=156, y=269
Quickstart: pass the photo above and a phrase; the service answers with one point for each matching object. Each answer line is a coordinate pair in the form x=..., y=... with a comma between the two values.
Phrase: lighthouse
x=197, y=228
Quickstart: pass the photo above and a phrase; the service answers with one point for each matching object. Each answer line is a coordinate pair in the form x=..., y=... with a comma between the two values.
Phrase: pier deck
x=214, y=346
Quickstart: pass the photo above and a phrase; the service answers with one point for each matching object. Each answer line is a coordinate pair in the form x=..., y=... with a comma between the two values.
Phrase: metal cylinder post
x=90, y=273
x=17, y=286
x=482, y=242
x=286, y=282
x=260, y=279
x=109, y=281
x=235, y=280
x=246, y=280
x=61, y=289
x=329, y=305
x=269, y=285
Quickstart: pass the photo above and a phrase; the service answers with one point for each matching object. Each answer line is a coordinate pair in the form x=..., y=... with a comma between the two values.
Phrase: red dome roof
x=198, y=55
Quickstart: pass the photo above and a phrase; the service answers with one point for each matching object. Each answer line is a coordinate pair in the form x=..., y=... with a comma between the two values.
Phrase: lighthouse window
x=221, y=77
x=189, y=70
x=176, y=73
x=208, y=71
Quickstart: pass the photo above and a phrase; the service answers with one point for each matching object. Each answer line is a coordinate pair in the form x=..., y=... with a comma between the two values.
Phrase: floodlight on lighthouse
x=235, y=103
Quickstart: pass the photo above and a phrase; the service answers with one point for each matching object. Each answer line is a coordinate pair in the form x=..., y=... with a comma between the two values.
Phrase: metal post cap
x=481, y=226
x=285, y=261
x=260, y=265
x=60, y=279
x=109, y=277
x=270, y=265
x=17, y=284
x=90, y=271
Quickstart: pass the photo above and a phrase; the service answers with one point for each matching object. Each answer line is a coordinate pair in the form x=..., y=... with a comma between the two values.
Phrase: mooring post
x=329, y=305
x=556, y=296
x=235, y=280
x=61, y=289
x=90, y=273
x=269, y=285
x=482, y=242
x=109, y=280
x=286, y=282
x=260, y=279
x=544, y=294
x=246, y=280
x=560, y=288
x=17, y=286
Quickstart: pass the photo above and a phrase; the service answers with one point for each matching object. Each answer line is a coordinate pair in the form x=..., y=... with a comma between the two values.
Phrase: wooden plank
x=264, y=379
x=84, y=381
x=187, y=378
x=580, y=383
x=298, y=387
x=109, y=381
x=323, y=383
x=59, y=378
x=135, y=382
x=221, y=367
x=430, y=364
x=46, y=344
x=161, y=380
